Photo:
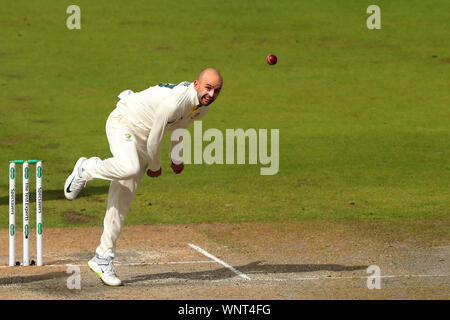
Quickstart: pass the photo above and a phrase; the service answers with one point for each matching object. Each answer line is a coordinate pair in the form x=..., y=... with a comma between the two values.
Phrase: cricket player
x=135, y=130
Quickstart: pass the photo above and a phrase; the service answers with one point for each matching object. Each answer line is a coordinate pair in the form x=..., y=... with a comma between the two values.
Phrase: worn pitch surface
x=295, y=260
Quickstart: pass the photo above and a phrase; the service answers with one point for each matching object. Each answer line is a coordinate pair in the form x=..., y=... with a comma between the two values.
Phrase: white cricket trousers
x=125, y=170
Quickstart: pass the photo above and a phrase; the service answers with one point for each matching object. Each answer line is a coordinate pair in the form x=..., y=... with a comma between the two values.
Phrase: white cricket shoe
x=75, y=182
x=103, y=266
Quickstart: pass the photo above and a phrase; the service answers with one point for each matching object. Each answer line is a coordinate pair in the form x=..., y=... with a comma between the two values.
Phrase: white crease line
x=226, y=265
x=160, y=263
x=120, y=264
x=362, y=277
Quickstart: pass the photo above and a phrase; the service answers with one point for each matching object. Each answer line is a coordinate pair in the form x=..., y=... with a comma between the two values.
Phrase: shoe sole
x=70, y=179
x=101, y=278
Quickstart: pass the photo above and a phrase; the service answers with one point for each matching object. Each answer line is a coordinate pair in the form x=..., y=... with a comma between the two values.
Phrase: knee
x=130, y=170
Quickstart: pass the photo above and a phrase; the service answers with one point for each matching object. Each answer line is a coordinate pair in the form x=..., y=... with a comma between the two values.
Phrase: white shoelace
x=78, y=183
x=109, y=266
x=109, y=269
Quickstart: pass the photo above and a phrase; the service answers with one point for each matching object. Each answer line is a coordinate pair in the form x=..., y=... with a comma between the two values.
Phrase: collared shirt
x=158, y=109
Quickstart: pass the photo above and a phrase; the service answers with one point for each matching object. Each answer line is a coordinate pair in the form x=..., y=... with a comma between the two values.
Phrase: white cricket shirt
x=158, y=109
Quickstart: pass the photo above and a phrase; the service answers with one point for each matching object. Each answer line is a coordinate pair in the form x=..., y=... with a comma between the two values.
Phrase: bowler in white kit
x=135, y=130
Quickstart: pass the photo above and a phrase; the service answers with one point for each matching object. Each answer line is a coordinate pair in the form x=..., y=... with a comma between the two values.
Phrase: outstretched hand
x=154, y=174
x=177, y=168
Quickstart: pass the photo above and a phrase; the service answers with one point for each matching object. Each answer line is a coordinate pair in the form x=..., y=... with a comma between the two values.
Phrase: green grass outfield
x=363, y=114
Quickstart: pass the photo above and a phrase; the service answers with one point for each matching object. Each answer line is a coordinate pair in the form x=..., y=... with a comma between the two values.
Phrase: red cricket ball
x=271, y=59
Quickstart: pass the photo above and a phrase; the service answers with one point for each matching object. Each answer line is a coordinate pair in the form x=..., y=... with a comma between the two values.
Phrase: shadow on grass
x=249, y=269
x=57, y=194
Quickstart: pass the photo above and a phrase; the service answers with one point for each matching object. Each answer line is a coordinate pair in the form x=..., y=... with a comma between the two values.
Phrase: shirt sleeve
x=180, y=137
x=165, y=112
x=174, y=143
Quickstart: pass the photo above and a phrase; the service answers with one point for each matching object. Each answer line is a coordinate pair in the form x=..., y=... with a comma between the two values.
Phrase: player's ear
x=196, y=84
